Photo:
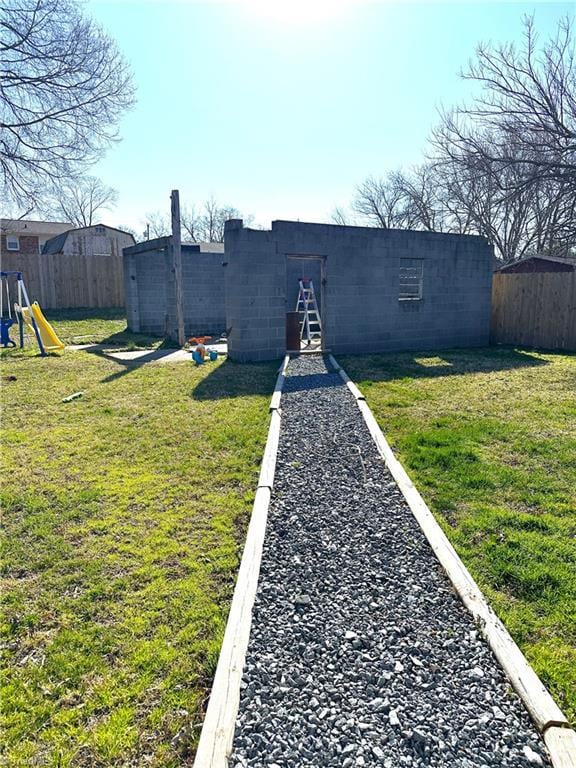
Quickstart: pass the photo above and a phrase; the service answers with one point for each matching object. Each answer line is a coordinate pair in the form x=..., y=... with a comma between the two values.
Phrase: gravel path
x=360, y=652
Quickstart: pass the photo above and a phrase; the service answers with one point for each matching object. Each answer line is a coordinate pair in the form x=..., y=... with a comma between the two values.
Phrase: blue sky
x=281, y=108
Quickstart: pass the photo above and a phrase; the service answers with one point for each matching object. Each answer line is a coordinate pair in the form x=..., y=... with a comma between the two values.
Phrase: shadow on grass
x=131, y=364
x=127, y=338
x=232, y=379
x=86, y=313
x=429, y=364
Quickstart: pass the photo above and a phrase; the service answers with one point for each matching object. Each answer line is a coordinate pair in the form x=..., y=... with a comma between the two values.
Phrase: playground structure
x=25, y=314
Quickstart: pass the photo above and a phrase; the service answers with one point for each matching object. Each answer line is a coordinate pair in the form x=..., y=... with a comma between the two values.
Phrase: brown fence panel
x=59, y=281
x=535, y=310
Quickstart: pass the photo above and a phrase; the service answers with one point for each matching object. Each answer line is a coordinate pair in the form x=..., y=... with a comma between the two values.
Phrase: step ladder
x=306, y=305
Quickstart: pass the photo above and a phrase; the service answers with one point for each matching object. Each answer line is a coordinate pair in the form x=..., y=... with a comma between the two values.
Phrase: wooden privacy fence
x=58, y=280
x=535, y=309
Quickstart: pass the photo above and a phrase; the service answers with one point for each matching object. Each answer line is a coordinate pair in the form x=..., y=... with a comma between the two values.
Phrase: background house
x=28, y=236
x=68, y=267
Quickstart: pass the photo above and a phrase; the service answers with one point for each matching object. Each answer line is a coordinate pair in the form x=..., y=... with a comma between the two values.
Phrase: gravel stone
x=360, y=652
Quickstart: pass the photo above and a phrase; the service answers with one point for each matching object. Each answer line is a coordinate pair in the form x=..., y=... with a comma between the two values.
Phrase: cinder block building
x=149, y=289
x=379, y=290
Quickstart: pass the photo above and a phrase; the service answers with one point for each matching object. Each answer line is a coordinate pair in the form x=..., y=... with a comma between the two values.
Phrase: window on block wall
x=12, y=243
x=411, y=279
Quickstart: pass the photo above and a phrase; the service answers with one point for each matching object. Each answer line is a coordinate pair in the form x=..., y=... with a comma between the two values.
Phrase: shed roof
x=56, y=244
x=540, y=263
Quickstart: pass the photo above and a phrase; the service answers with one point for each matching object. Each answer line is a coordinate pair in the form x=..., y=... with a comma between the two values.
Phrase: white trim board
x=275, y=402
x=549, y=719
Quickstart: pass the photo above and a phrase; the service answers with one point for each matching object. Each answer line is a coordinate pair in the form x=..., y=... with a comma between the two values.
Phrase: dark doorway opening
x=305, y=298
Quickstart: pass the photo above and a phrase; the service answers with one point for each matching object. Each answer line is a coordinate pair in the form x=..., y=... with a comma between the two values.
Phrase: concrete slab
x=147, y=355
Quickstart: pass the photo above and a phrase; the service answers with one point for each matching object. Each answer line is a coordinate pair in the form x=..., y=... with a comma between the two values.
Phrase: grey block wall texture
x=147, y=280
x=255, y=286
x=362, y=310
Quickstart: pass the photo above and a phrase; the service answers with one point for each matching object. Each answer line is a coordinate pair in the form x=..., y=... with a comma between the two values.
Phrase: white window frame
x=410, y=279
x=12, y=238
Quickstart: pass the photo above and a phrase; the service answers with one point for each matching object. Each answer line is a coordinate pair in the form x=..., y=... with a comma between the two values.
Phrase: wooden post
x=177, y=266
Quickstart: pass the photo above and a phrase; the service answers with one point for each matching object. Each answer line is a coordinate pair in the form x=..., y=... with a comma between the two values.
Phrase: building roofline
x=542, y=257
x=35, y=221
x=159, y=243
x=99, y=224
x=63, y=236
x=432, y=233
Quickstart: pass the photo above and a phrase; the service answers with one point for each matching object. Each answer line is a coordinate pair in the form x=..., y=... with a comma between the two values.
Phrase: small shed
x=534, y=303
x=541, y=264
x=97, y=240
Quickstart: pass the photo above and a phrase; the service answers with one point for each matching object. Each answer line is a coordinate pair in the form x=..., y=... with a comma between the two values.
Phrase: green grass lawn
x=124, y=515
x=489, y=438
x=93, y=326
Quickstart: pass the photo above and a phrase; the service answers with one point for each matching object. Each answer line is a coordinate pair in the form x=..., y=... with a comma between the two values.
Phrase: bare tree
x=340, y=216
x=63, y=88
x=210, y=228
x=517, y=206
x=80, y=201
x=504, y=167
x=554, y=218
x=381, y=202
x=525, y=114
x=422, y=202
x=189, y=220
x=158, y=224
x=129, y=230
x=401, y=200
x=205, y=225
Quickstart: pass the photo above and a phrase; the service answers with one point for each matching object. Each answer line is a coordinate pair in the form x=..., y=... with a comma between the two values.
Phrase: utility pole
x=176, y=252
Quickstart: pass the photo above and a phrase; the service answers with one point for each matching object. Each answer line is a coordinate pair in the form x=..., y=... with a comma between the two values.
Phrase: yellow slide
x=50, y=341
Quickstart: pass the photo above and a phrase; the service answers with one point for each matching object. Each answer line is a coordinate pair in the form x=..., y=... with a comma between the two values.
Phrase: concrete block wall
x=203, y=291
x=362, y=310
x=255, y=286
x=148, y=288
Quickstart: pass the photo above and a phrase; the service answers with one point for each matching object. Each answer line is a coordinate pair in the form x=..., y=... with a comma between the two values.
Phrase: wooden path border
x=217, y=734
x=559, y=738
